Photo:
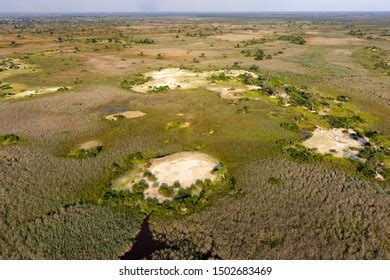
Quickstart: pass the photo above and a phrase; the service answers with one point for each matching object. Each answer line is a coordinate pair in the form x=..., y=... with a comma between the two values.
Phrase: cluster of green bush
x=9, y=139
x=343, y=121
x=145, y=41
x=251, y=42
x=184, y=200
x=159, y=89
x=357, y=33
x=301, y=153
x=375, y=155
x=290, y=126
x=83, y=154
x=127, y=163
x=91, y=40
x=219, y=77
x=250, y=79
x=137, y=79
x=300, y=97
x=295, y=39
x=257, y=53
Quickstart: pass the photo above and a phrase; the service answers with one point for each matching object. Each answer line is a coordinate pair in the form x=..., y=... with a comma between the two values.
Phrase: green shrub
x=145, y=41
x=9, y=139
x=137, y=79
x=150, y=176
x=159, y=56
x=299, y=97
x=295, y=39
x=301, y=153
x=167, y=191
x=159, y=89
x=343, y=122
x=290, y=126
x=274, y=181
x=219, y=77
x=140, y=187
x=83, y=154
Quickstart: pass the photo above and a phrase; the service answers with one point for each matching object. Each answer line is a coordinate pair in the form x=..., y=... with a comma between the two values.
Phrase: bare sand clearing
x=337, y=141
x=171, y=77
x=127, y=115
x=176, y=78
x=90, y=145
x=29, y=93
x=185, y=167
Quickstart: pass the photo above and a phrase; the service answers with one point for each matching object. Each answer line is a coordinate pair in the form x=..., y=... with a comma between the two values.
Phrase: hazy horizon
x=185, y=6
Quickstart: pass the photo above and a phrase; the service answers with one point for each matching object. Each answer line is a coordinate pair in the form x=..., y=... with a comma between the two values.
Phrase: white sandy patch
x=90, y=145
x=171, y=77
x=176, y=78
x=127, y=115
x=28, y=93
x=185, y=167
x=336, y=141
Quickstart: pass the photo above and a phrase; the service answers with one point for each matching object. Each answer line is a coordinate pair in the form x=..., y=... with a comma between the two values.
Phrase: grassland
x=278, y=200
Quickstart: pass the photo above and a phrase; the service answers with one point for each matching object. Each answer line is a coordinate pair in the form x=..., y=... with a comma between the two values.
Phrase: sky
x=54, y=6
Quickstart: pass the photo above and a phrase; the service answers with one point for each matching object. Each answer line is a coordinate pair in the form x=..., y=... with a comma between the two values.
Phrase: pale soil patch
x=90, y=145
x=176, y=78
x=324, y=41
x=337, y=141
x=29, y=93
x=185, y=167
x=127, y=115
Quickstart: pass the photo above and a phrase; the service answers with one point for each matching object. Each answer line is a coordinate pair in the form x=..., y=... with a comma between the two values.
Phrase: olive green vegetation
x=295, y=39
x=374, y=59
x=83, y=154
x=137, y=79
x=9, y=139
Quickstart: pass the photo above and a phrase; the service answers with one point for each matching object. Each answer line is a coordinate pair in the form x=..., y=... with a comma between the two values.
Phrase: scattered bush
x=83, y=154
x=219, y=77
x=137, y=79
x=159, y=89
x=140, y=187
x=167, y=191
x=295, y=39
x=343, y=122
x=9, y=139
x=290, y=126
x=301, y=153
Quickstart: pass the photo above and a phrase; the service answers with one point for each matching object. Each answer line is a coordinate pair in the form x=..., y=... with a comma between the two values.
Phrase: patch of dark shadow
x=115, y=109
x=144, y=245
x=306, y=134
